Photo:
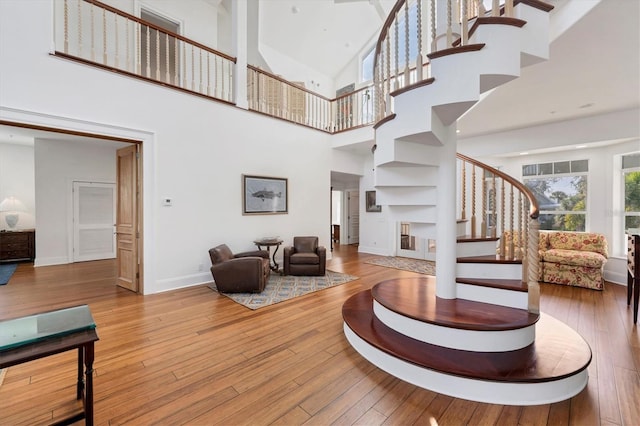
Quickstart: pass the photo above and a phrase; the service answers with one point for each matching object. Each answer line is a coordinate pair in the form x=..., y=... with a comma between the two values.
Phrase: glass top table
x=34, y=328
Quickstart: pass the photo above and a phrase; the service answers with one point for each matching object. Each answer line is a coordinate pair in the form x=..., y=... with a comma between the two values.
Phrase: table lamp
x=11, y=206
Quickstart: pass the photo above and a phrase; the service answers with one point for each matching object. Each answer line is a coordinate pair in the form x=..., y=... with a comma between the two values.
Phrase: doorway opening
x=90, y=206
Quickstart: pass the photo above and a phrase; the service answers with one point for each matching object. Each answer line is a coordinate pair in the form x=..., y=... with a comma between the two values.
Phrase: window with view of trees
x=631, y=172
x=561, y=191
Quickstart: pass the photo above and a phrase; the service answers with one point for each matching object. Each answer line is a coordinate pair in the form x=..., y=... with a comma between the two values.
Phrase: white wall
x=376, y=230
x=196, y=150
x=17, y=180
x=57, y=164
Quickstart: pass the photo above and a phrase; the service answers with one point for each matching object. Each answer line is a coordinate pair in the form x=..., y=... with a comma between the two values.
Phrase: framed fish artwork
x=264, y=195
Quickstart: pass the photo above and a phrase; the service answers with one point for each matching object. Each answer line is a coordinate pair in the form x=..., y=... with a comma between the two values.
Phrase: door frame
x=94, y=130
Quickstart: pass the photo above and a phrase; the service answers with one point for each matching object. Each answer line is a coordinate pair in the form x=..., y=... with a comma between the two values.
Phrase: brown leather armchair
x=245, y=272
x=305, y=257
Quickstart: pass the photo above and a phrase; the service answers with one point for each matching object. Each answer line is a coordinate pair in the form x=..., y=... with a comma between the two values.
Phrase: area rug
x=426, y=267
x=6, y=271
x=280, y=288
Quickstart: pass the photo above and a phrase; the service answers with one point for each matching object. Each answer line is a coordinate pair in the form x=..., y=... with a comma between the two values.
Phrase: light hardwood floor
x=194, y=357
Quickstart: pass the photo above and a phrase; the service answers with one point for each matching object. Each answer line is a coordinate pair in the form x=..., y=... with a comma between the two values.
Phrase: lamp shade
x=12, y=204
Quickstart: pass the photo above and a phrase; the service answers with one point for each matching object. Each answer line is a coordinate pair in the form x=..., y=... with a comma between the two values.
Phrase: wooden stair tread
x=557, y=353
x=469, y=238
x=502, y=283
x=491, y=258
x=416, y=298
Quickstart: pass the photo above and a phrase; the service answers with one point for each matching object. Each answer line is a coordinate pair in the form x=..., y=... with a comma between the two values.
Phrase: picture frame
x=371, y=205
x=264, y=195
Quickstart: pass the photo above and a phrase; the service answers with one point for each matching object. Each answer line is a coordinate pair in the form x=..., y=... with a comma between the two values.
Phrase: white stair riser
x=461, y=229
x=408, y=153
x=500, y=61
x=475, y=248
x=509, y=271
x=417, y=214
x=505, y=393
x=389, y=176
x=407, y=196
x=455, y=338
x=496, y=296
x=535, y=34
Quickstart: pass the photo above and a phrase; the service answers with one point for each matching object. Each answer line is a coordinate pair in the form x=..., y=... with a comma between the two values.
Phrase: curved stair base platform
x=552, y=369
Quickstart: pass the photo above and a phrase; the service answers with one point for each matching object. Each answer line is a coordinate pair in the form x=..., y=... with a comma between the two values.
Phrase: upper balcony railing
x=100, y=35
x=415, y=29
x=274, y=96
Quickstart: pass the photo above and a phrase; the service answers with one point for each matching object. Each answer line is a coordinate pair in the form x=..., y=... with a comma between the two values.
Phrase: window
x=368, y=60
x=561, y=191
x=367, y=65
x=631, y=173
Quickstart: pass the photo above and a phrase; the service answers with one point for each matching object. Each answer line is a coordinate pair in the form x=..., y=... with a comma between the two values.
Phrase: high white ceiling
x=594, y=66
x=322, y=34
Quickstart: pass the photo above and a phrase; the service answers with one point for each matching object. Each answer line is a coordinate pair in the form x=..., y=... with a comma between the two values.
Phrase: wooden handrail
x=162, y=30
x=385, y=29
x=534, y=210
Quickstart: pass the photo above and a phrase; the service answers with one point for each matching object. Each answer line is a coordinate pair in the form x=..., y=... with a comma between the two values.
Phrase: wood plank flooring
x=194, y=357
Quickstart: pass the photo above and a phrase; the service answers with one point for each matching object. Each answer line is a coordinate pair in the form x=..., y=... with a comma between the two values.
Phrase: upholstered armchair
x=245, y=272
x=305, y=257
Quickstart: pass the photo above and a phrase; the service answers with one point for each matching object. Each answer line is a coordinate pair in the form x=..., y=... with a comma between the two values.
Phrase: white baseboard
x=182, y=282
x=50, y=261
x=373, y=250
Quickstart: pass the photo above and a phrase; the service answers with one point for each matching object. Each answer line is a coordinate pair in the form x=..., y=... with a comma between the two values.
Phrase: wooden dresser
x=17, y=245
x=633, y=272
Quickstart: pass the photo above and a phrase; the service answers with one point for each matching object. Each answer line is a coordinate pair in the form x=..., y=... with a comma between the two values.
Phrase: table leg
x=80, y=384
x=636, y=299
x=88, y=394
x=275, y=264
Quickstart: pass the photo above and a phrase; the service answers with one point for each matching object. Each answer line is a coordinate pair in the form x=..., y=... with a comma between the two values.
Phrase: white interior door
x=353, y=217
x=93, y=221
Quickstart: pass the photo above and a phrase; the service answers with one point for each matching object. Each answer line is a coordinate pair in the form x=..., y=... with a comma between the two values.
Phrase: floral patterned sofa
x=569, y=258
x=573, y=258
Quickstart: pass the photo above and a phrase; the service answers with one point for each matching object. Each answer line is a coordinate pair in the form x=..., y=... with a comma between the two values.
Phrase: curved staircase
x=552, y=368
x=474, y=331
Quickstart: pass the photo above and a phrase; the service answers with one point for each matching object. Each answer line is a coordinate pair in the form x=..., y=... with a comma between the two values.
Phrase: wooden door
x=127, y=231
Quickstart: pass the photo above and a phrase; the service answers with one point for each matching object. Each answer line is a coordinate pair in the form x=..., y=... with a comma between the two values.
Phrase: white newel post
x=446, y=220
x=239, y=47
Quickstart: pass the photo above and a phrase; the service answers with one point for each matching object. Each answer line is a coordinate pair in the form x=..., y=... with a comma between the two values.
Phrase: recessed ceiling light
x=524, y=153
x=580, y=146
x=457, y=130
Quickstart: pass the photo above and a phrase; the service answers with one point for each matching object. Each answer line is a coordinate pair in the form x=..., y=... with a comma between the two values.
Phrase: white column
x=446, y=231
x=239, y=48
